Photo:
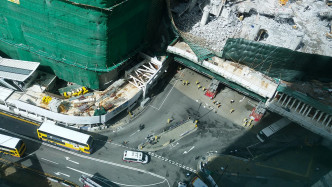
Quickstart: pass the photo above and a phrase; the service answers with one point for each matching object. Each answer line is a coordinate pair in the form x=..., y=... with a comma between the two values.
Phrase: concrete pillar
x=302, y=108
x=306, y=108
x=327, y=115
x=308, y=111
x=315, y=114
x=144, y=92
x=290, y=98
x=192, y=4
x=205, y=17
x=284, y=100
x=328, y=122
x=297, y=106
x=320, y=116
x=282, y=95
x=293, y=103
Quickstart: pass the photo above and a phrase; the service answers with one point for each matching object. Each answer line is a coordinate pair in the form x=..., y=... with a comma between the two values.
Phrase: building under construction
x=85, y=42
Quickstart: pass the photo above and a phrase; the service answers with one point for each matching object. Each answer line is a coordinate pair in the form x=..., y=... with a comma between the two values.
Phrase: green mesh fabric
x=79, y=40
x=278, y=62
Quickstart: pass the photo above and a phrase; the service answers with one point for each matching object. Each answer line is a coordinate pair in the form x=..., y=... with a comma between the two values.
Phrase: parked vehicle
x=267, y=132
x=135, y=156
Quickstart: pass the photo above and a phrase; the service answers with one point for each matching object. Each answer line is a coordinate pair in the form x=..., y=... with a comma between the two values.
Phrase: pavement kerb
x=162, y=145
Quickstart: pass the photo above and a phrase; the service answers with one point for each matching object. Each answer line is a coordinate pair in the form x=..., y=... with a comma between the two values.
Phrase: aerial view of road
x=165, y=93
x=209, y=135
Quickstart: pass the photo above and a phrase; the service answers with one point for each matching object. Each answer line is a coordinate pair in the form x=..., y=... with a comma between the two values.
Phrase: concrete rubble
x=297, y=25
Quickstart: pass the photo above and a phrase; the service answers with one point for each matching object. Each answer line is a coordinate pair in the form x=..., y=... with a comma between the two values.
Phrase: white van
x=272, y=129
x=135, y=156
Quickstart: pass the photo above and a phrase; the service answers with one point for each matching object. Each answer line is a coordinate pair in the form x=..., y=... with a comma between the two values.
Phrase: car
x=135, y=156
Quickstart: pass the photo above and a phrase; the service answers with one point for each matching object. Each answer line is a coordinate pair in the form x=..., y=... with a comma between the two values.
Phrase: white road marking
x=134, y=133
x=90, y=158
x=59, y=173
x=185, y=152
x=30, y=154
x=87, y=174
x=166, y=95
x=49, y=161
x=67, y=158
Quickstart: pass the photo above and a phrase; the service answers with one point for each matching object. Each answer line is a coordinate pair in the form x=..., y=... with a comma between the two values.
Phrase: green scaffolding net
x=79, y=40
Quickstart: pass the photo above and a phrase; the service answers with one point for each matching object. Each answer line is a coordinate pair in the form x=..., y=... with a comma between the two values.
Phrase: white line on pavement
x=167, y=94
x=67, y=158
x=49, y=161
x=90, y=175
x=88, y=157
x=59, y=173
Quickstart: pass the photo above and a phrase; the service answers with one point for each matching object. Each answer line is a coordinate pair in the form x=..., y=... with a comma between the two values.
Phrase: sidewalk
x=172, y=135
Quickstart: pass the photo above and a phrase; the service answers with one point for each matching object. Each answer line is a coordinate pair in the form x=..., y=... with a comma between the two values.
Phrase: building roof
x=17, y=70
x=5, y=93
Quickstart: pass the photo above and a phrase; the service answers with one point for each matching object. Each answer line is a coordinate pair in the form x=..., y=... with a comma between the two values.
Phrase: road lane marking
x=87, y=157
x=8, y=115
x=49, y=161
x=167, y=94
x=87, y=174
x=67, y=158
x=135, y=132
x=59, y=173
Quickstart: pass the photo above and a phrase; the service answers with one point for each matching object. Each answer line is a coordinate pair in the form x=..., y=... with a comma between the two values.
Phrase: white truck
x=272, y=129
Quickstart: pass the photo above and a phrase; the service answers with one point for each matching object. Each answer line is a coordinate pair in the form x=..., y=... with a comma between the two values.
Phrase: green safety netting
x=278, y=62
x=79, y=40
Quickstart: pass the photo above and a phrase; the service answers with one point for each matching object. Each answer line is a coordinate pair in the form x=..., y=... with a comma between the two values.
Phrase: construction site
x=82, y=64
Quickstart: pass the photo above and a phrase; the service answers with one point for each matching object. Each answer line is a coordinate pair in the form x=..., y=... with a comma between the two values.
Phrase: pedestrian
x=232, y=101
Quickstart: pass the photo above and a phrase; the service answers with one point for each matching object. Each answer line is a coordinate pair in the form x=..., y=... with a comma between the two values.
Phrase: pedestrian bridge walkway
x=301, y=109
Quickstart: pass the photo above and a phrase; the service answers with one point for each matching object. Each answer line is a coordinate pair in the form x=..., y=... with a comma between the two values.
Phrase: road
x=215, y=134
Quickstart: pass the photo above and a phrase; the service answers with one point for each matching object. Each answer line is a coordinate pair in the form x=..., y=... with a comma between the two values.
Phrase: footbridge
x=276, y=94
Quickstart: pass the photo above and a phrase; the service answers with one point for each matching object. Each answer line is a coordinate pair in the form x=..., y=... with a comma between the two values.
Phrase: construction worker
x=250, y=122
x=199, y=86
x=184, y=82
x=219, y=105
x=231, y=111
x=197, y=82
x=214, y=102
x=245, y=120
x=203, y=88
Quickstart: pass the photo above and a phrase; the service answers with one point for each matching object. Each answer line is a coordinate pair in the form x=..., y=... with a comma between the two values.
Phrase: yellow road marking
x=20, y=119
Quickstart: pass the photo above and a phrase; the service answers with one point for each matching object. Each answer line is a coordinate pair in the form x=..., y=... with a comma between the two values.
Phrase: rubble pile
x=297, y=25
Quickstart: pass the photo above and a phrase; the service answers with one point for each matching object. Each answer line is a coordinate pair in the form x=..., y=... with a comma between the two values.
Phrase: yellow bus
x=12, y=146
x=64, y=137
